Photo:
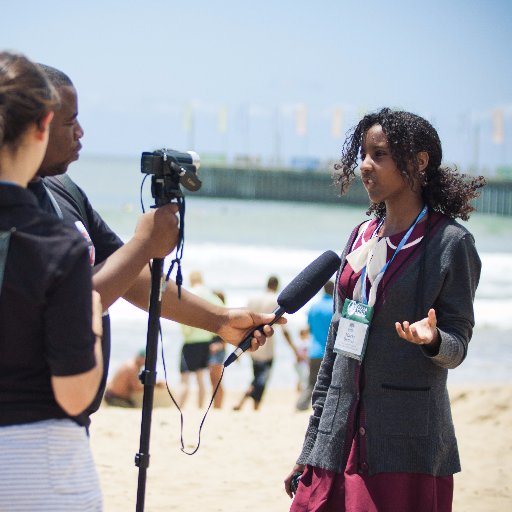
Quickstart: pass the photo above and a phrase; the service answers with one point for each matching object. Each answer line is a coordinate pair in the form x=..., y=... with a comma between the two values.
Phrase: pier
x=318, y=187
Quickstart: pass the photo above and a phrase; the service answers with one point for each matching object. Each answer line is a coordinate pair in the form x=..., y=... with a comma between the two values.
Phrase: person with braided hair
x=381, y=436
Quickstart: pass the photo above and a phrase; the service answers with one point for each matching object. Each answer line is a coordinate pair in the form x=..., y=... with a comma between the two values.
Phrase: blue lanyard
x=364, y=294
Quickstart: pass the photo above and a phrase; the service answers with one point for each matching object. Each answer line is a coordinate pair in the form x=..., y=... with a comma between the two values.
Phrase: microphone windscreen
x=308, y=282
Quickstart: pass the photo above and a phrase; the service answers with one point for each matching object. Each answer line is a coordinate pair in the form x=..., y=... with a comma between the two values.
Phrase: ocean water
x=237, y=244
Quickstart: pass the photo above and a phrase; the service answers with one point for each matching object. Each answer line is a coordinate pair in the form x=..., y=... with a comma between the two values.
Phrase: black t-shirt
x=102, y=243
x=45, y=324
x=104, y=240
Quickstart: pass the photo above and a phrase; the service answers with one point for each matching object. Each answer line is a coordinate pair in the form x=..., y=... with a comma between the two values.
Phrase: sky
x=279, y=81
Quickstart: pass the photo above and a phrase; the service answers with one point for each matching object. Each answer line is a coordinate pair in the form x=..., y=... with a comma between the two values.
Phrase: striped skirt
x=47, y=466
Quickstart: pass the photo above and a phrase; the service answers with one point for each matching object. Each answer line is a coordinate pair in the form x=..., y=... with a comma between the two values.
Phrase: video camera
x=169, y=169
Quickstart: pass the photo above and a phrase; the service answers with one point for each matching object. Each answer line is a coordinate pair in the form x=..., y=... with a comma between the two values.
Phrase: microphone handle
x=246, y=342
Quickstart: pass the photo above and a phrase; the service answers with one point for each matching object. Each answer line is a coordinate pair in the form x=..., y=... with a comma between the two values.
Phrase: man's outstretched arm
x=155, y=236
x=231, y=324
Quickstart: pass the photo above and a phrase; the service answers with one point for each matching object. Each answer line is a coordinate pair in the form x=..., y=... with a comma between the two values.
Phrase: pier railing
x=495, y=198
x=318, y=187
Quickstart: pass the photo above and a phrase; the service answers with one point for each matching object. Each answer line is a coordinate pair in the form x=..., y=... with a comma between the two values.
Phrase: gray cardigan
x=408, y=426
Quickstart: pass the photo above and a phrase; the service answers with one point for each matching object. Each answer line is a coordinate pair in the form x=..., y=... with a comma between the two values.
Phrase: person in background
x=216, y=361
x=125, y=382
x=50, y=319
x=381, y=435
x=262, y=361
x=319, y=320
x=195, y=352
x=121, y=270
x=302, y=364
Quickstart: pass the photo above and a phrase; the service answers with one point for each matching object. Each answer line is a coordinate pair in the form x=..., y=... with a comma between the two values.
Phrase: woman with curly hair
x=381, y=436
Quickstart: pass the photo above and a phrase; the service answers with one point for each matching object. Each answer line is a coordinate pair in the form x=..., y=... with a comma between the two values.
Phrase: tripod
x=148, y=378
x=148, y=375
x=168, y=168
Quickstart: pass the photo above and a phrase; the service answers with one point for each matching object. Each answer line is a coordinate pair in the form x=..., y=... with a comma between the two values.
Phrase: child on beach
x=381, y=436
x=301, y=364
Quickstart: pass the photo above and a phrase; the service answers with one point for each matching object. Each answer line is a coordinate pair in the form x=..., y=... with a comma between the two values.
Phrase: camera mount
x=168, y=169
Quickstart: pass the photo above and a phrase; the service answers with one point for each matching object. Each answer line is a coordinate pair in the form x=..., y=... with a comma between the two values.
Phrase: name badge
x=353, y=329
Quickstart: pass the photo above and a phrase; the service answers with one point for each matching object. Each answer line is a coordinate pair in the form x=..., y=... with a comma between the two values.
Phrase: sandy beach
x=244, y=456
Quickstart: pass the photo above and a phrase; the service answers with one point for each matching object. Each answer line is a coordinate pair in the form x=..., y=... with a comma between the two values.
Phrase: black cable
x=182, y=421
x=141, y=190
x=181, y=239
x=179, y=281
x=179, y=247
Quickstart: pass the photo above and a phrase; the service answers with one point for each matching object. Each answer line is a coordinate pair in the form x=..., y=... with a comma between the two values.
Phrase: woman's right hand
x=298, y=468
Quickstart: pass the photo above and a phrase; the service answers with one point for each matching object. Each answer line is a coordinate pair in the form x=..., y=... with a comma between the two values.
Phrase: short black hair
x=329, y=288
x=273, y=283
x=57, y=78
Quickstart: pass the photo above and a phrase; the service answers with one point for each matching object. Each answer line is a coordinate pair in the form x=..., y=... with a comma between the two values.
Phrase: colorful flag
x=222, y=119
x=498, y=126
x=301, y=120
x=337, y=123
x=188, y=118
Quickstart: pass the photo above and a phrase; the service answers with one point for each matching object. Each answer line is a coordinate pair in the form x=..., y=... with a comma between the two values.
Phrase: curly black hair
x=444, y=189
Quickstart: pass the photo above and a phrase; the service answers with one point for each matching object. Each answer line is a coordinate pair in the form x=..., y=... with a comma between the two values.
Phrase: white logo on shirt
x=92, y=252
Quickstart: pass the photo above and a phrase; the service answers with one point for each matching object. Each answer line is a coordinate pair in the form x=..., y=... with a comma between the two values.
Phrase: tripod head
x=169, y=169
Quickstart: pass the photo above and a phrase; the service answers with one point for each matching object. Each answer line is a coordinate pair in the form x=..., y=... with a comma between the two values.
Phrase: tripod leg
x=148, y=379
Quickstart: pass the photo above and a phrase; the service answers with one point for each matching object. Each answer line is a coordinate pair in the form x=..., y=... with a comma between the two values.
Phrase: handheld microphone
x=299, y=291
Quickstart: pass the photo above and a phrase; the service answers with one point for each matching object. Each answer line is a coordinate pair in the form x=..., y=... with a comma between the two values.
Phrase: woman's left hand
x=423, y=332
